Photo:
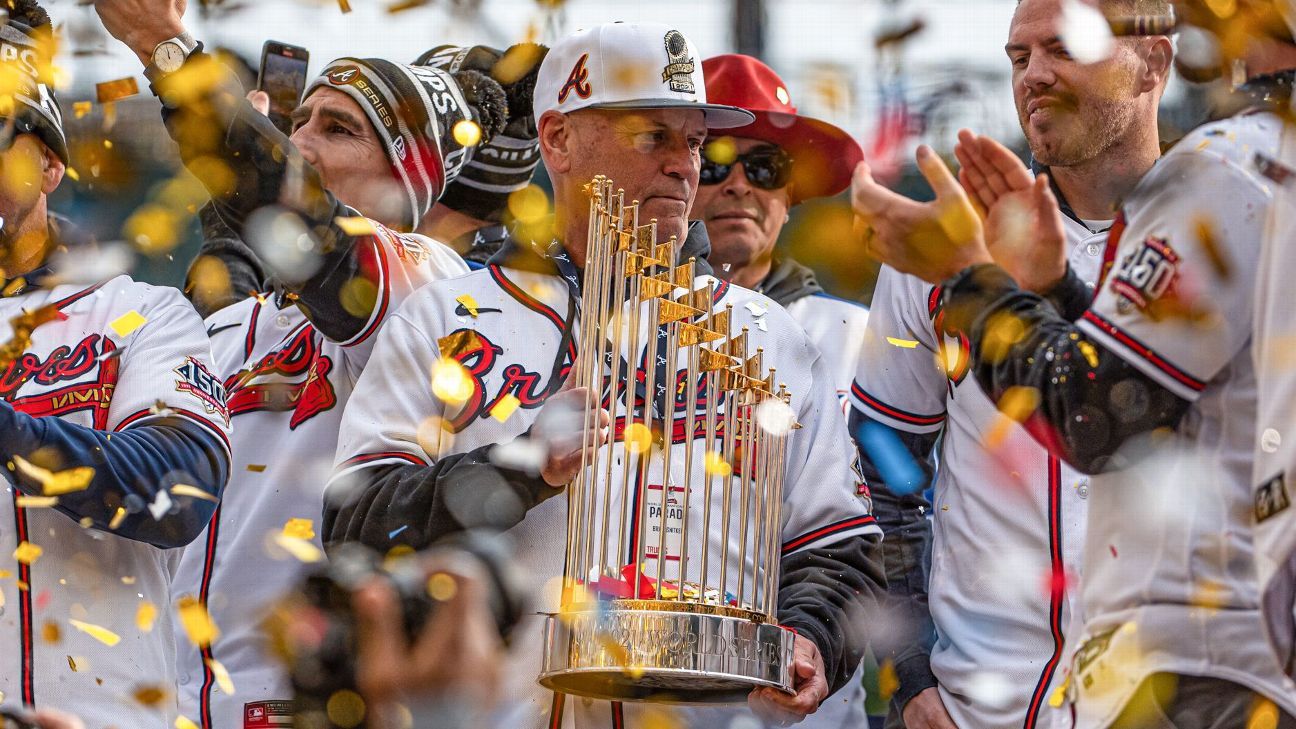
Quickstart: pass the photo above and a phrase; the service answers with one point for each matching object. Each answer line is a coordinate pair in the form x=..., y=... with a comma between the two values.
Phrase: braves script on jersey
x=1007, y=517
x=1275, y=447
x=515, y=353
x=1169, y=575
x=287, y=388
x=91, y=367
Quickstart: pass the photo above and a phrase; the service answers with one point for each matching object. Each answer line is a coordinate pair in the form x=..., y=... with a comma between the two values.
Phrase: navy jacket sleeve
x=1077, y=419
x=411, y=505
x=830, y=595
x=130, y=468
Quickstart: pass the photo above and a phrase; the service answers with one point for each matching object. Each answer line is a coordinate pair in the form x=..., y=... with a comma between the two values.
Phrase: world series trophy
x=671, y=576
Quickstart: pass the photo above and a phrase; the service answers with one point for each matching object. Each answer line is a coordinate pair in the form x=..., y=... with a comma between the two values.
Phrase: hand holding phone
x=283, y=78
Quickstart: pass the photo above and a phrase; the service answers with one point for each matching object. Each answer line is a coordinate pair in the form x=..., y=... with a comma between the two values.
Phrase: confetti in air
x=127, y=323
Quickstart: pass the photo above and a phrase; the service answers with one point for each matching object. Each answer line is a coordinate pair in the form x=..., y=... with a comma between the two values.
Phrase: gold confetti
x=222, y=676
x=54, y=484
x=301, y=549
x=1264, y=715
x=127, y=323
x=1089, y=352
x=1059, y=694
x=903, y=343
x=98, y=632
x=50, y=632
x=529, y=205
x=118, y=517
x=184, y=722
x=150, y=695
x=346, y=708
x=197, y=623
x=451, y=382
x=299, y=529
x=345, y=5
x=716, y=465
x=638, y=438
x=36, y=502
x=467, y=133
x=5, y=574
x=81, y=108
x=184, y=489
x=116, y=90
x=27, y=553
x=72, y=664
x=723, y=151
x=441, y=587
x=256, y=467
x=888, y=681
x=356, y=227
x=469, y=303
x=358, y=297
x=145, y=615
x=506, y=406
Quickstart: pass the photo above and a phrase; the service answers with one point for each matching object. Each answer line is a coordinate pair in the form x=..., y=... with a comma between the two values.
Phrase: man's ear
x=556, y=141
x=52, y=170
x=1158, y=59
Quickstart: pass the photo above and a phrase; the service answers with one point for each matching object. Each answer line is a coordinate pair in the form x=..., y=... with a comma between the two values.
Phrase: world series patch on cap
x=628, y=66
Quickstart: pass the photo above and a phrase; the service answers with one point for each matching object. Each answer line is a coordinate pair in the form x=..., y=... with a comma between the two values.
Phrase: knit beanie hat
x=26, y=44
x=506, y=163
x=414, y=111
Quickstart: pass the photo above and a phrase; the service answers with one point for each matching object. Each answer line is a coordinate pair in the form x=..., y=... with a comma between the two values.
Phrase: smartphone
x=283, y=78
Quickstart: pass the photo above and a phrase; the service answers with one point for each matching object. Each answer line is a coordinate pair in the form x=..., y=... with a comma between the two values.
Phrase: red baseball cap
x=823, y=156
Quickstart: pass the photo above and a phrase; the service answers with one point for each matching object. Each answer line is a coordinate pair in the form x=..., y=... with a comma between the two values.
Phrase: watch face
x=169, y=57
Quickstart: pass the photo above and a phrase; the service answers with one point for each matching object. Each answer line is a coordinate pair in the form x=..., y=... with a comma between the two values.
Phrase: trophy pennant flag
x=670, y=582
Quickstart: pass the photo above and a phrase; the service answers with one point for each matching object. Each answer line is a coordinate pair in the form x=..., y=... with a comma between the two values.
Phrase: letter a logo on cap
x=577, y=80
x=343, y=76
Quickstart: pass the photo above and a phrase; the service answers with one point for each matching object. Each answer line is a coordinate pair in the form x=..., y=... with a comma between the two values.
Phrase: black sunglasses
x=768, y=168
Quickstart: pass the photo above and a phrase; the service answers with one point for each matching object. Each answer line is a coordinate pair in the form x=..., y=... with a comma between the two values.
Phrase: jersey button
x=281, y=321
x=1093, y=249
x=1083, y=489
x=183, y=679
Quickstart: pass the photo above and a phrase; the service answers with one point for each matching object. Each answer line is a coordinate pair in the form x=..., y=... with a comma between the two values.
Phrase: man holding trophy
x=739, y=557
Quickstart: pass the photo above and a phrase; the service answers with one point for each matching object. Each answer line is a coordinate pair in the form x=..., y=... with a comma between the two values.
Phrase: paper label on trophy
x=674, y=522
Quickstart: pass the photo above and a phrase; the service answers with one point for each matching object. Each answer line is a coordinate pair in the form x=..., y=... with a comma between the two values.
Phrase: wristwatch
x=170, y=55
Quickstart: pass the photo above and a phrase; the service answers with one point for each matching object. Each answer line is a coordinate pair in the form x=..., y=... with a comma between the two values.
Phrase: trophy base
x=695, y=656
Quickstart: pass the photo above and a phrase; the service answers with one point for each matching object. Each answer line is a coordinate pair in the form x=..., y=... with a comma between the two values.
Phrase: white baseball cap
x=628, y=66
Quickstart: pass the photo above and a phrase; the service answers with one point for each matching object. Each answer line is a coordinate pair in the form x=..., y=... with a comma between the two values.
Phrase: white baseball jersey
x=836, y=326
x=1008, y=518
x=1274, y=350
x=287, y=387
x=1170, y=581
x=515, y=353
x=119, y=355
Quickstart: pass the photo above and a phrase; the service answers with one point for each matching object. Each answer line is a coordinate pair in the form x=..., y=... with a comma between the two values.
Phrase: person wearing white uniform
x=114, y=435
x=1007, y=531
x=1275, y=445
x=400, y=483
x=1151, y=388
x=290, y=356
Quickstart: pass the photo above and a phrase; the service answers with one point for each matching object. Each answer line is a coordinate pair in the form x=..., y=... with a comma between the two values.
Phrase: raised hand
x=142, y=24
x=932, y=240
x=1023, y=224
